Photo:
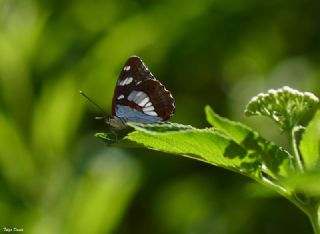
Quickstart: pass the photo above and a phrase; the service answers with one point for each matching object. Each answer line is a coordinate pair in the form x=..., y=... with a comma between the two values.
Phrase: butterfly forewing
x=139, y=96
x=136, y=68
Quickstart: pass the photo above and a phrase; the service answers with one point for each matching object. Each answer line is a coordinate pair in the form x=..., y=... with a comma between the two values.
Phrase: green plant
x=294, y=174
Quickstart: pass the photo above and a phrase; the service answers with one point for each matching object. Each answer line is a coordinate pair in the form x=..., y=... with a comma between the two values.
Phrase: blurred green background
x=56, y=177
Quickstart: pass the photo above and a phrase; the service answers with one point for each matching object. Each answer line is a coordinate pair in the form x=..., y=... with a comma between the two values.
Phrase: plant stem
x=312, y=209
x=315, y=218
x=295, y=151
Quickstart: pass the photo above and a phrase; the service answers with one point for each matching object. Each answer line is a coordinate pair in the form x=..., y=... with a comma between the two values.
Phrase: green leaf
x=310, y=143
x=230, y=145
x=206, y=145
x=113, y=140
x=118, y=138
x=286, y=106
x=273, y=159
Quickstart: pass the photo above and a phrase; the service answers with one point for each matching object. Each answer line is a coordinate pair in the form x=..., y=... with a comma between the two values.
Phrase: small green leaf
x=105, y=138
x=310, y=143
x=117, y=138
x=285, y=106
x=274, y=159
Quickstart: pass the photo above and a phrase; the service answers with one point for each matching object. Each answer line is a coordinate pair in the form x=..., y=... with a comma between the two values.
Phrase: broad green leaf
x=273, y=159
x=310, y=143
x=286, y=106
x=206, y=145
x=230, y=145
x=118, y=138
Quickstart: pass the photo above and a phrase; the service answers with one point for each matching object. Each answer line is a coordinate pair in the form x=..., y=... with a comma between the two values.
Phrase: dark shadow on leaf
x=233, y=150
x=251, y=167
x=269, y=154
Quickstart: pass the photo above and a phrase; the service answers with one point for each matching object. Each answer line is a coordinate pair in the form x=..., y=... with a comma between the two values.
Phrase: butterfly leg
x=114, y=134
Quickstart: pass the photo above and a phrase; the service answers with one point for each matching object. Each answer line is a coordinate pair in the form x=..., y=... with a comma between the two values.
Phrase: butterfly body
x=139, y=97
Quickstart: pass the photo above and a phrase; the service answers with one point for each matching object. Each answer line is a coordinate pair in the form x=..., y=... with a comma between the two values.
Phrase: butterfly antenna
x=94, y=103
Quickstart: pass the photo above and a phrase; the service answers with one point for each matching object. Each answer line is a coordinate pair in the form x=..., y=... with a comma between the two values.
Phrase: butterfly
x=139, y=97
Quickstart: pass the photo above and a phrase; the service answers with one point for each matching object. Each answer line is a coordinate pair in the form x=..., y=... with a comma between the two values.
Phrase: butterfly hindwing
x=161, y=98
x=139, y=96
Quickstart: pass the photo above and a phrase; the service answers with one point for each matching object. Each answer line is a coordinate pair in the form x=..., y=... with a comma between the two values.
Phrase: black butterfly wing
x=160, y=97
x=134, y=68
x=138, y=89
